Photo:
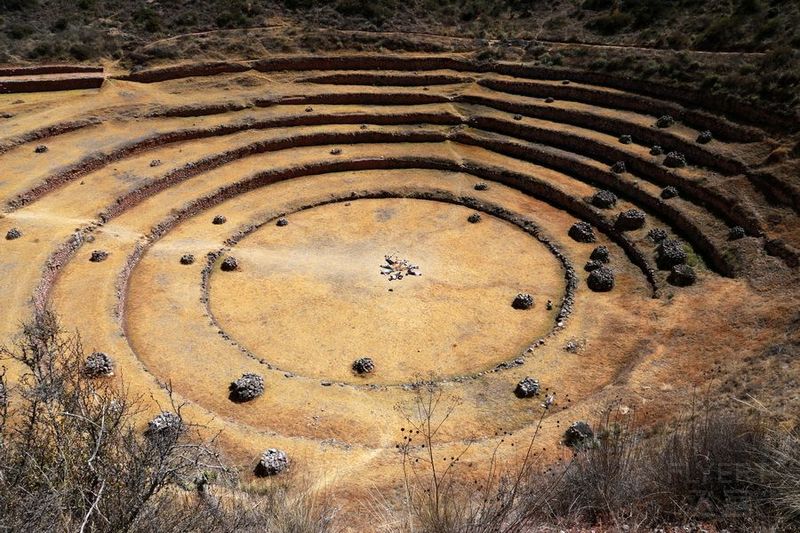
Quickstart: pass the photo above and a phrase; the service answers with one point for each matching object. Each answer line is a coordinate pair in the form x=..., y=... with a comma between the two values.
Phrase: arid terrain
x=312, y=169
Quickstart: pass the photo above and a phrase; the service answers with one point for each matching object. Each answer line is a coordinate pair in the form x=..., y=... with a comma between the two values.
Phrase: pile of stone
x=481, y=186
x=630, y=220
x=522, y=301
x=248, y=387
x=592, y=265
x=625, y=139
x=705, y=137
x=618, y=167
x=656, y=150
x=657, y=235
x=98, y=256
x=98, y=364
x=13, y=234
x=675, y=160
x=736, y=233
x=397, y=269
x=669, y=192
x=579, y=435
x=682, y=276
x=229, y=264
x=364, y=365
x=165, y=425
x=219, y=219
x=670, y=253
x=665, y=121
x=281, y=222
x=601, y=279
x=601, y=254
x=474, y=218
x=272, y=462
x=527, y=388
x=582, y=232
x=187, y=259
x=40, y=149
x=604, y=199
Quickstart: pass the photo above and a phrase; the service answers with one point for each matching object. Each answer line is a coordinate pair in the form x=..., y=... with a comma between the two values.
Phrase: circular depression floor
x=310, y=297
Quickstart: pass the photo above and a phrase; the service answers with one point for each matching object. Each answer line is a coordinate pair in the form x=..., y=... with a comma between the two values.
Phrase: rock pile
x=629, y=220
x=578, y=435
x=670, y=253
x=675, y=160
x=281, y=222
x=482, y=186
x=582, y=232
x=625, y=139
x=98, y=256
x=682, y=276
x=736, y=233
x=364, y=365
x=98, y=364
x=165, y=425
x=187, y=259
x=522, y=301
x=656, y=150
x=397, y=269
x=592, y=265
x=219, y=219
x=669, y=192
x=229, y=264
x=618, y=167
x=665, y=121
x=13, y=234
x=604, y=199
x=527, y=387
x=272, y=462
x=705, y=137
x=40, y=149
x=601, y=254
x=474, y=218
x=248, y=387
x=657, y=235
x=601, y=279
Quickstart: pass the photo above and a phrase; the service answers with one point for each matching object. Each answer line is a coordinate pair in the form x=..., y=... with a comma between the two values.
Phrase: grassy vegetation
x=88, y=30
x=72, y=457
x=724, y=470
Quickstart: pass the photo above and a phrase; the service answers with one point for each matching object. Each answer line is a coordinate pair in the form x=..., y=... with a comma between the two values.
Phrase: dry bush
x=73, y=459
x=440, y=494
x=706, y=467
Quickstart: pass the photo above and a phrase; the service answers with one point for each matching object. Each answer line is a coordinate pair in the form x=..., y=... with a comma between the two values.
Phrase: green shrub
x=610, y=24
x=81, y=51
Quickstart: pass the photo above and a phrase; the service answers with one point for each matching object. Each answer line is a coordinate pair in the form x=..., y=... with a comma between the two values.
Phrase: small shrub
x=610, y=24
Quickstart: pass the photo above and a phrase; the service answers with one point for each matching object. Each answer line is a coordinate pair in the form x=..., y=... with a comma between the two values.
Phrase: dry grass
x=73, y=459
x=724, y=470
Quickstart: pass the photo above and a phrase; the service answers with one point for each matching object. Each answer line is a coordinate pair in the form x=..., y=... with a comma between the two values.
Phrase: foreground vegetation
x=73, y=458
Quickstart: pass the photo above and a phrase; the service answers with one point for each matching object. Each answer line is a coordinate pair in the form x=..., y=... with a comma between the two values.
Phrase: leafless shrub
x=440, y=496
x=72, y=457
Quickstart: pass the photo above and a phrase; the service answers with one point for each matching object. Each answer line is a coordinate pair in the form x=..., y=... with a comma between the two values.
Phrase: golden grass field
x=394, y=175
